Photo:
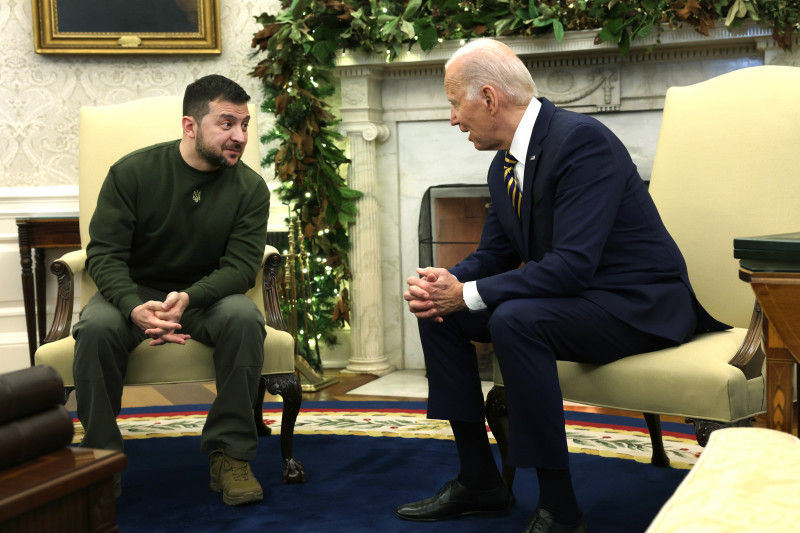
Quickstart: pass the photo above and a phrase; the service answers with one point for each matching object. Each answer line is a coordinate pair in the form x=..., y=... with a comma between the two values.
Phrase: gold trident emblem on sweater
x=196, y=196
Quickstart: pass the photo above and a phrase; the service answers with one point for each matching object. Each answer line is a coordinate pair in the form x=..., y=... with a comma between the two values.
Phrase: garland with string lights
x=296, y=50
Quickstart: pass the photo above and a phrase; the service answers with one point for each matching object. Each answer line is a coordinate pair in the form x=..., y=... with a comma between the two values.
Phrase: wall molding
x=56, y=200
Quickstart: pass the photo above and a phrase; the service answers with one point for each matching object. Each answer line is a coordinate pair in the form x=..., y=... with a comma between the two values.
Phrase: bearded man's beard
x=215, y=159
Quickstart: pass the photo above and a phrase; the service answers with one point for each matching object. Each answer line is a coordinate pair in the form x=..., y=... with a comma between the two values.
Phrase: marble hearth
x=396, y=119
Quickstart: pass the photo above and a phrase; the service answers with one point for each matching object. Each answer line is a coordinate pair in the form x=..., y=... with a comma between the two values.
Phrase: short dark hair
x=207, y=89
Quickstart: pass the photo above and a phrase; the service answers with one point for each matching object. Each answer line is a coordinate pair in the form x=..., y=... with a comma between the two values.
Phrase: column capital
x=369, y=130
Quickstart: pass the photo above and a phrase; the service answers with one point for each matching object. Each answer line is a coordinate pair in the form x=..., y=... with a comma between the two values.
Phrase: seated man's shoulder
x=152, y=153
x=249, y=178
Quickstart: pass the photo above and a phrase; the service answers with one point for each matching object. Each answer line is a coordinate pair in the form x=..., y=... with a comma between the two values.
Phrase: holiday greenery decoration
x=296, y=48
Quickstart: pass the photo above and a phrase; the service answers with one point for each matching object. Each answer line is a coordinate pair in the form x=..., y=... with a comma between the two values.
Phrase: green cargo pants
x=104, y=337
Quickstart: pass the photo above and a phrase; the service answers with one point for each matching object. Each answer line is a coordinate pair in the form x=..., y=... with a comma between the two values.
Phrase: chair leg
x=262, y=429
x=67, y=391
x=659, y=457
x=497, y=417
x=288, y=386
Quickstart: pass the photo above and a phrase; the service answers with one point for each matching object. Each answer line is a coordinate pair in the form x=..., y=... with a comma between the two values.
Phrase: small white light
x=308, y=195
x=463, y=42
x=440, y=40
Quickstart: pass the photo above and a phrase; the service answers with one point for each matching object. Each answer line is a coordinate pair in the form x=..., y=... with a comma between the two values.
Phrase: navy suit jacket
x=588, y=228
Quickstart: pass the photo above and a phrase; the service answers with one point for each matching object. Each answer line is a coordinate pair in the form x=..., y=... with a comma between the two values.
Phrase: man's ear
x=189, y=126
x=489, y=95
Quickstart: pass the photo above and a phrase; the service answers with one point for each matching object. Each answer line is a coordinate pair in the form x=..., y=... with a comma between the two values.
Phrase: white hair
x=490, y=62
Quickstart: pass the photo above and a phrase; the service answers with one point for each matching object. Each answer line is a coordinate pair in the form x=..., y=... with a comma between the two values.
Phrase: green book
x=769, y=253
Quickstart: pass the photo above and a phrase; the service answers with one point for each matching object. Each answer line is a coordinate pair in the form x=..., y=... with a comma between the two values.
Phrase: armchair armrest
x=272, y=306
x=65, y=268
x=750, y=357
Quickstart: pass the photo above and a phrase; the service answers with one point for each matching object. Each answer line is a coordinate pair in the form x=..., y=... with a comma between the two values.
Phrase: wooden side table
x=71, y=489
x=39, y=233
x=771, y=264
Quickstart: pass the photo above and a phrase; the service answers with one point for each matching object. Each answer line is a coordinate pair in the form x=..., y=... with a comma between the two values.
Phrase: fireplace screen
x=450, y=222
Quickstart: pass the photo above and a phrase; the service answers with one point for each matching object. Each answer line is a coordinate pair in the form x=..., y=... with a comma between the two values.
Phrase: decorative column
x=361, y=114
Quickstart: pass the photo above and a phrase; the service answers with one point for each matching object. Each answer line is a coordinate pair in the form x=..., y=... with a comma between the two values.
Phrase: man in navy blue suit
x=574, y=264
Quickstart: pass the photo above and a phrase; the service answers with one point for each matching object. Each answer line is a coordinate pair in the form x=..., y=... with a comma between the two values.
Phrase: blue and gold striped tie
x=512, y=187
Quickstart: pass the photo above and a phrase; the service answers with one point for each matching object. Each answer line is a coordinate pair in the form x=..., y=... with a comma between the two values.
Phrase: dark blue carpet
x=354, y=484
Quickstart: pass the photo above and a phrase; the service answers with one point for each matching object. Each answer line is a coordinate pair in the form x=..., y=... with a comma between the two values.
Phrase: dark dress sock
x=557, y=495
x=478, y=468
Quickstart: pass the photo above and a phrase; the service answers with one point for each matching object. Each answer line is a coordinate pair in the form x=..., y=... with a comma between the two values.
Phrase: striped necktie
x=512, y=187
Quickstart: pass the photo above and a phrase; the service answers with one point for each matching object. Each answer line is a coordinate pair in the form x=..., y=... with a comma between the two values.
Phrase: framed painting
x=126, y=26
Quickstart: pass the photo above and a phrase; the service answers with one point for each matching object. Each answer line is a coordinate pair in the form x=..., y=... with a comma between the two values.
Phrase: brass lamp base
x=311, y=381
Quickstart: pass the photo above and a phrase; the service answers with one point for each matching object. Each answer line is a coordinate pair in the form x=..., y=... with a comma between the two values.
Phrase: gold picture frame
x=123, y=27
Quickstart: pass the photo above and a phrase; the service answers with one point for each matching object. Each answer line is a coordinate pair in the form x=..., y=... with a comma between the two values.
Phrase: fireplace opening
x=451, y=218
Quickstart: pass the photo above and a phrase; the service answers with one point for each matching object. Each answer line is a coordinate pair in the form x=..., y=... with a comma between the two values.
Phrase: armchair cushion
x=171, y=363
x=711, y=389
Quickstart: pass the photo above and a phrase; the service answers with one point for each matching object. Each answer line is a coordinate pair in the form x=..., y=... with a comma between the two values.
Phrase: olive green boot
x=234, y=478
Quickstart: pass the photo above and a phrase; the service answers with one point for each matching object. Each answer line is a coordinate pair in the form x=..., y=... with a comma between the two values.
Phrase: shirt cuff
x=472, y=298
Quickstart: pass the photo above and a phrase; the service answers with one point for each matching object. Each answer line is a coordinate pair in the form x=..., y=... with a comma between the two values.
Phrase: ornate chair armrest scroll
x=750, y=356
x=65, y=268
x=272, y=306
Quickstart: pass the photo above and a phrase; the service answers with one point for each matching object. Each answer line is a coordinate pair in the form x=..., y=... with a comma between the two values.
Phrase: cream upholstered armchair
x=106, y=134
x=725, y=167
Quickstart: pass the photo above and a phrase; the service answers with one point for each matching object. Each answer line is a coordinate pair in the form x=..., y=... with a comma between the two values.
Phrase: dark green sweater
x=162, y=224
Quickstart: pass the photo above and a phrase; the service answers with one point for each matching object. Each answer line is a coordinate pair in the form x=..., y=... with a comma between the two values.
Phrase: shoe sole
x=486, y=514
x=248, y=497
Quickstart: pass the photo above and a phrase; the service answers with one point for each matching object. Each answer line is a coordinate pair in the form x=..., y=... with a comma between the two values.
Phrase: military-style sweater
x=163, y=224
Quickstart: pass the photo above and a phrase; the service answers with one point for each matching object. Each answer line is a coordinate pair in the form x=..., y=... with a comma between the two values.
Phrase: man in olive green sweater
x=176, y=240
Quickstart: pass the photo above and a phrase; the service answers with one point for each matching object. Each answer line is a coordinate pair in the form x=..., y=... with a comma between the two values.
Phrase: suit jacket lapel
x=540, y=128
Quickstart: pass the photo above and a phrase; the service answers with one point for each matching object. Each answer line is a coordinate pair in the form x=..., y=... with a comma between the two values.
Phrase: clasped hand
x=435, y=294
x=161, y=320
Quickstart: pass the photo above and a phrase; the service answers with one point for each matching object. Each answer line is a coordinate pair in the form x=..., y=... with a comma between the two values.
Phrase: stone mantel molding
x=574, y=73
x=575, y=43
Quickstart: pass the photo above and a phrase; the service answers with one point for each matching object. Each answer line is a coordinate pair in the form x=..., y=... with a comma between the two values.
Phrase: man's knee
x=513, y=317
x=240, y=313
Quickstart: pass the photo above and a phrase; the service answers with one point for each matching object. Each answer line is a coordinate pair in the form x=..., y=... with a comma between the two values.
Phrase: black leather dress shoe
x=544, y=522
x=454, y=500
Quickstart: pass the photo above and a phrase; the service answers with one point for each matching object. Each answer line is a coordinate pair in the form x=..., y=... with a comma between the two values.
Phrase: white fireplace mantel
x=396, y=118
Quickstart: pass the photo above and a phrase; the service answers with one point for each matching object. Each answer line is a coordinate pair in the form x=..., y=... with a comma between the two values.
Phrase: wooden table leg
x=780, y=368
x=41, y=292
x=27, y=290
